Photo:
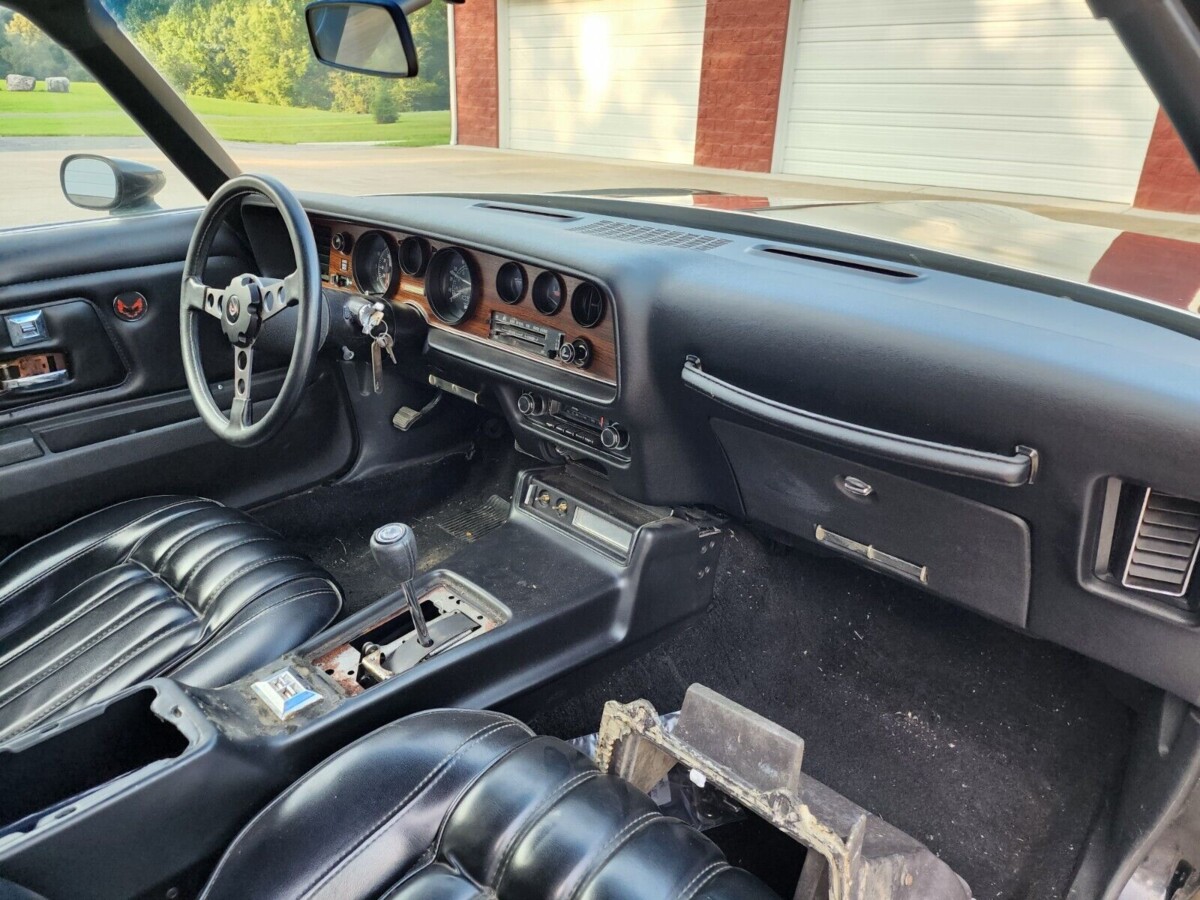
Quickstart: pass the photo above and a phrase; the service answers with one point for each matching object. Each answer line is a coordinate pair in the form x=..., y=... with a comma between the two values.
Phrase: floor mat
x=448, y=503
x=992, y=748
x=475, y=523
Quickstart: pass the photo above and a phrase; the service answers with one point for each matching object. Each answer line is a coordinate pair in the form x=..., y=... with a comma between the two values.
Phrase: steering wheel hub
x=243, y=304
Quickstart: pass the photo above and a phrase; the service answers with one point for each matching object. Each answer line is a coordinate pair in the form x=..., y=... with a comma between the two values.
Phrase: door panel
x=122, y=423
x=65, y=350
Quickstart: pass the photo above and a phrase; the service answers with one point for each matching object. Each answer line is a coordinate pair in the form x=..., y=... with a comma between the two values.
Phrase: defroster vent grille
x=646, y=234
x=1164, y=546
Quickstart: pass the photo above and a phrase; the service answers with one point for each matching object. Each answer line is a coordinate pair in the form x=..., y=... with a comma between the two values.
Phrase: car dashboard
x=984, y=436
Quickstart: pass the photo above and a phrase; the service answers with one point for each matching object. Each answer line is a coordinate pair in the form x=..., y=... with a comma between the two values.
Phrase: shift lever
x=394, y=547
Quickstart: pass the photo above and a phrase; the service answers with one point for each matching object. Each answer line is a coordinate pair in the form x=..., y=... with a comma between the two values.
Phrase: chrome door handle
x=42, y=379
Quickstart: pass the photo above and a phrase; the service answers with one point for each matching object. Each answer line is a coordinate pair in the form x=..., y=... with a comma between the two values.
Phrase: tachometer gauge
x=451, y=285
x=374, y=259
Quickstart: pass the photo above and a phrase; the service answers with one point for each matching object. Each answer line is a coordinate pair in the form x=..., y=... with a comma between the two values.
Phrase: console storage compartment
x=44, y=775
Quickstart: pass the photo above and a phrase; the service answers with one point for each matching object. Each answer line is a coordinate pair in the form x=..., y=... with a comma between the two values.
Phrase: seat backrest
x=458, y=803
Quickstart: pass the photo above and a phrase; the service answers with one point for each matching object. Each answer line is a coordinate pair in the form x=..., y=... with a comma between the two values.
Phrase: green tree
x=188, y=45
x=132, y=14
x=267, y=45
x=431, y=89
x=384, y=106
x=350, y=92
x=28, y=51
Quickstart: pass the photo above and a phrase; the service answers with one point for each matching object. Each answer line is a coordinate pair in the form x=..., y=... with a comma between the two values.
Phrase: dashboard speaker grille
x=1165, y=544
x=645, y=234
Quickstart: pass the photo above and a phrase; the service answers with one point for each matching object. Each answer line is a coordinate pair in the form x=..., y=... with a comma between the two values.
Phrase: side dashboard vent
x=323, y=235
x=633, y=233
x=1164, y=546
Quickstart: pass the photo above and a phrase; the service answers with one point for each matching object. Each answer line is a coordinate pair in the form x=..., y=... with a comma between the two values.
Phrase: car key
x=377, y=366
x=381, y=343
x=386, y=342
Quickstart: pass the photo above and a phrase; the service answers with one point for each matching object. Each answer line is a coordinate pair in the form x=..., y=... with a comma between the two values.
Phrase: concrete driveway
x=31, y=194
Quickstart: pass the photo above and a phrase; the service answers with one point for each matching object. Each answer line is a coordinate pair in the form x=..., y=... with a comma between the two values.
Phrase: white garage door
x=604, y=77
x=1027, y=96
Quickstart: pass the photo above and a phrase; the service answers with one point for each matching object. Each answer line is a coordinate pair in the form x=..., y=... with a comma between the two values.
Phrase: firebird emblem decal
x=233, y=309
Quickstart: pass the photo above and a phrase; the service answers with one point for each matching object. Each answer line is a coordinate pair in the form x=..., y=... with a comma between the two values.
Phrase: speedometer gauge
x=374, y=260
x=451, y=285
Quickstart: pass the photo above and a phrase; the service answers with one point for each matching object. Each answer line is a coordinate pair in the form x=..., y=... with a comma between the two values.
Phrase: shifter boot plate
x=444, y=630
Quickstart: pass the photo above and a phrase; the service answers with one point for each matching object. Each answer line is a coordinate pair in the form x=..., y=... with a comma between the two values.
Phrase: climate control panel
x=577, y=424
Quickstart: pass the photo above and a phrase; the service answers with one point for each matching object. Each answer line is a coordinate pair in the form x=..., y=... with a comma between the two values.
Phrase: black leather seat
x=456, y=804
x=158, y=586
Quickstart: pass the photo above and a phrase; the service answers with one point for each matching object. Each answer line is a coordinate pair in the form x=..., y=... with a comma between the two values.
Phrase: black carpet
x=992, y=748
x=333, y=524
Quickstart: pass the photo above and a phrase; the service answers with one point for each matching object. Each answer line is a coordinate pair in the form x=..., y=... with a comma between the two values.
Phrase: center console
x=574, y=575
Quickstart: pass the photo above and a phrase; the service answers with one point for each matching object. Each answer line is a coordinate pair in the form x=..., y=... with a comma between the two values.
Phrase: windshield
x=1032, y=106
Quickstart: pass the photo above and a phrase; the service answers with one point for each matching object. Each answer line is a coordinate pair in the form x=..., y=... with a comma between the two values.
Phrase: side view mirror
x=118, y=185
x=368, y=36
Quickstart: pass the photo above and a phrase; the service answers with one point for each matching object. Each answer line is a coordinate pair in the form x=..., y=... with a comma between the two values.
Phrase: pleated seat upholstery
x=156, y=586
x=457, y=804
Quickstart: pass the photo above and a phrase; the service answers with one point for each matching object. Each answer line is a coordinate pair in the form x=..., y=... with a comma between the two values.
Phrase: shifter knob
x=394, y=547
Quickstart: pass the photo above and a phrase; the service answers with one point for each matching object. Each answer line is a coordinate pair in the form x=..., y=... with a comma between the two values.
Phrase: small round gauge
x=548, y=293
x=414, y=256
x=451, y=285
x=587, y=305
x=374, y=262
x=511, y=282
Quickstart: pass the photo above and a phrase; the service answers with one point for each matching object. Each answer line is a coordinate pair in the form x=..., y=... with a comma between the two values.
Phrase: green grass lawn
x=88, y=112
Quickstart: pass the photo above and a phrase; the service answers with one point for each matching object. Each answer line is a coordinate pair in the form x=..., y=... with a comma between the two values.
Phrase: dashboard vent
x=323, y=235
x=1164, y=547
x=844, y=261
x=522, y=211
x=645, y=234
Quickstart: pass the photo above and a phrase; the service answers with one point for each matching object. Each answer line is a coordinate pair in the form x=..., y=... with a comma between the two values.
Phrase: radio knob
x=583, y=353
x=530, y=405
x=614, y=437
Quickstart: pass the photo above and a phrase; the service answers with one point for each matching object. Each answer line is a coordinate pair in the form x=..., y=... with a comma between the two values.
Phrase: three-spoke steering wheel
x=243, y=305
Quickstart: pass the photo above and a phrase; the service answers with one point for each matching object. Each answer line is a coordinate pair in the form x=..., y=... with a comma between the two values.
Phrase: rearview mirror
x=369, y=36
x=119, y=185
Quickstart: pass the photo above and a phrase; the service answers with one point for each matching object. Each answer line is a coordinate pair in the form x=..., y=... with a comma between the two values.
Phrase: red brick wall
x=475, y=73
x=739, y=83
x=1169, y=178
x=1146, y=265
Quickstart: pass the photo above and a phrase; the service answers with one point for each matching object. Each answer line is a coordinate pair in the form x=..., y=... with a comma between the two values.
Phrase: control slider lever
x=394, y=547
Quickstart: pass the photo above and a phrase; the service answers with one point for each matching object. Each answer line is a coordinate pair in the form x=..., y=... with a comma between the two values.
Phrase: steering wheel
x=243, y=305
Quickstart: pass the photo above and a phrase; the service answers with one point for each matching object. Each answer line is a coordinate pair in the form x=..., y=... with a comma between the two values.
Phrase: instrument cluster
x=517, y=305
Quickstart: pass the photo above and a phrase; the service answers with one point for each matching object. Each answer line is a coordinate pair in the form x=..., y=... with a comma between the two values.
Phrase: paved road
x=30, y=193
